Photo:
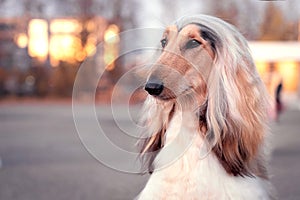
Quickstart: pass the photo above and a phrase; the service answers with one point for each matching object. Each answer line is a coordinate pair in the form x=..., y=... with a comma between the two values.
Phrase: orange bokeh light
x=22, y=40
x=38, y=39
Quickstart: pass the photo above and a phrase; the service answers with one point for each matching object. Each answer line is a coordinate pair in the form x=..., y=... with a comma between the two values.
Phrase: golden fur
x=218, y=81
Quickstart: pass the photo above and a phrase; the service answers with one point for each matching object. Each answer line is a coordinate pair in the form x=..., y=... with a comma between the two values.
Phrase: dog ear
x=236, y=111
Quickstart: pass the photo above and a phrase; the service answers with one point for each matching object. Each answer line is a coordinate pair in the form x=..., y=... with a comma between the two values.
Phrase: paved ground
x=43, y=158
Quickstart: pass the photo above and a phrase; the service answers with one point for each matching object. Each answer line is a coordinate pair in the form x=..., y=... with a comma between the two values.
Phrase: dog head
x=184, y=64
x=209, y=58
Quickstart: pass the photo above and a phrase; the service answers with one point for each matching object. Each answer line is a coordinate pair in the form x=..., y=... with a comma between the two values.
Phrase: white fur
x=194, y=175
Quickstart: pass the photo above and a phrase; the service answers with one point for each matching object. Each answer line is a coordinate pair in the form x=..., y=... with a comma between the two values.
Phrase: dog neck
x=169, y=121
x=181, y=134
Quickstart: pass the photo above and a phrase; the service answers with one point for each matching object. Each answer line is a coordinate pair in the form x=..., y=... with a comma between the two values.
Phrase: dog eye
x=192, y=44
x=163, y=43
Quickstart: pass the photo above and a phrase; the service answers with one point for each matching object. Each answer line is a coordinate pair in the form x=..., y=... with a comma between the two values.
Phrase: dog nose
x=154, y=87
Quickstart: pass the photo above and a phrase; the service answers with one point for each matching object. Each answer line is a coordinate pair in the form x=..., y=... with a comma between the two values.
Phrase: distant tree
x=227, y=11
x=245, y=16
x=276, y=27
x=120, y=12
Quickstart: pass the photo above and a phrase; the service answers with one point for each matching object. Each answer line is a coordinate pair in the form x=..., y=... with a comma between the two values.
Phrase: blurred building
x=13, y=60
x=41, y=55
x=42, y=43
x=286, y=58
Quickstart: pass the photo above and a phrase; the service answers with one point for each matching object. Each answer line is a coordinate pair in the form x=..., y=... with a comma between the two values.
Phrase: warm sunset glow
x=111, y=49
x=65, y=42
x=65, y=26
x=289, y=69
x=261, y=67
x=285, y=56
x=22, y=40
x=64, y=47
x=111, y=34
x=38, y=38
x=91, y=26
x=90, y=49
x=80, y=56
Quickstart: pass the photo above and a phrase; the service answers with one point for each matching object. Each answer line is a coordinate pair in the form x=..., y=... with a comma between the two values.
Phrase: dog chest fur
x=186, y=168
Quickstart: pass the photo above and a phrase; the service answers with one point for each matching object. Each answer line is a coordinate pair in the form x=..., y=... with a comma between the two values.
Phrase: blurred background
x=42, y=45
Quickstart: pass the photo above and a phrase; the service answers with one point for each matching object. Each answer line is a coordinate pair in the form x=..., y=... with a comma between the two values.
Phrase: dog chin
x=173, y=97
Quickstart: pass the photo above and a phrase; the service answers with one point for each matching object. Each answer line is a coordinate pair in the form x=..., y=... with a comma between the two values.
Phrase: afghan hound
x=205, y=115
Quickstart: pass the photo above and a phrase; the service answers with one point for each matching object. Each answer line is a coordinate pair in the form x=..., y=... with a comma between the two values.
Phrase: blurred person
x=274, y=83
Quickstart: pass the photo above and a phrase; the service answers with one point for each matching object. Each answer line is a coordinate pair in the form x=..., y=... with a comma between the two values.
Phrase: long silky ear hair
x=155, y=119
x=237, y=100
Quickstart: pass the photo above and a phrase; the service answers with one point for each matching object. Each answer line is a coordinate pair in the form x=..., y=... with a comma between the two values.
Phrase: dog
x=205, y=116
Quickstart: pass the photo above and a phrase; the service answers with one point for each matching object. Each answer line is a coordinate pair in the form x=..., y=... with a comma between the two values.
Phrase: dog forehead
x=171, y=28
x=192, y=30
